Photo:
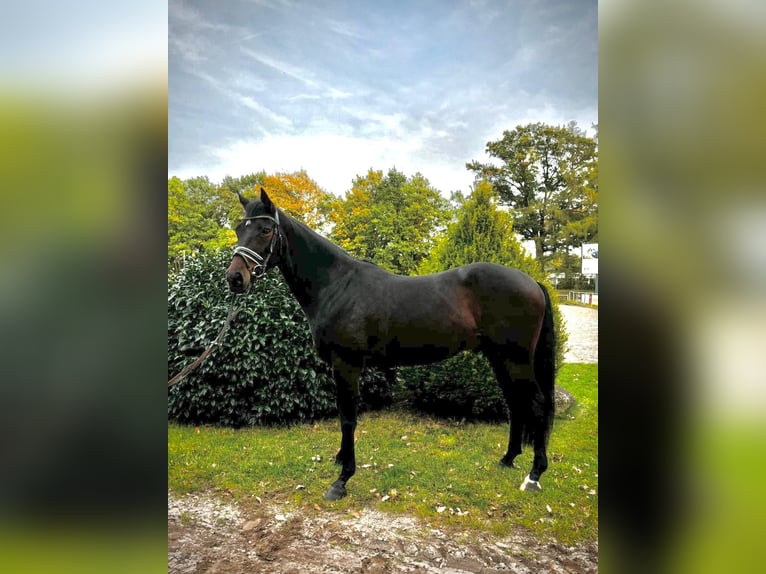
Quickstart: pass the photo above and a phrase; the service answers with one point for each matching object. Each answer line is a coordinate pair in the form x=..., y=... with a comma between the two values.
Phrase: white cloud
x=332, y=160
x=348, y=29
x=295, y=72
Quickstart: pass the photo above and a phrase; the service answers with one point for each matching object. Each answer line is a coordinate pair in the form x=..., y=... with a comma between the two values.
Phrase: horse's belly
x=401, y=353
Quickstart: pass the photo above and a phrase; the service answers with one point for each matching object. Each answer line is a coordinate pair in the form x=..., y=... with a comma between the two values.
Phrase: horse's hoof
x=507, y=463
x=335, y=492
x=530, y=484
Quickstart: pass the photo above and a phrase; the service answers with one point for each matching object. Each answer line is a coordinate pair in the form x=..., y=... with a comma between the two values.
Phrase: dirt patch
x=210, y=536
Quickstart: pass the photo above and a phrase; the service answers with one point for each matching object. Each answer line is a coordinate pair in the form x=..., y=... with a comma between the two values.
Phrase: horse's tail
x=545, y=369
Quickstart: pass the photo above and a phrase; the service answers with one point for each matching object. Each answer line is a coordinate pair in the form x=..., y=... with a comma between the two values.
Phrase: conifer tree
x=482, y=232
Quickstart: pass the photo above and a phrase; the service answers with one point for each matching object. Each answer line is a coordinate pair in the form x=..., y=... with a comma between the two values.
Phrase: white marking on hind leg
x=530, y=484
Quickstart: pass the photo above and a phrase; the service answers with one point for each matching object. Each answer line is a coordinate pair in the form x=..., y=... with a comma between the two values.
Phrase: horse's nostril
x=235, y=279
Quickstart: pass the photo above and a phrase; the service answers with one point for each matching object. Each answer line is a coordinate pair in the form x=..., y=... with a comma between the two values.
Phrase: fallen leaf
x=549, y=509
x=385, y=498
x=441, y=509
x=299, y=487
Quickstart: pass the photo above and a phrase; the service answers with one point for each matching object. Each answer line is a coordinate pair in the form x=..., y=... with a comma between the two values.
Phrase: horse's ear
x=270, y=207
x=242, y=200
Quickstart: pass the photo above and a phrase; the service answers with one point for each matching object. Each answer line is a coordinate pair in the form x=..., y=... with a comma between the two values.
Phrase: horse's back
x=498, y=279
x=484, y=281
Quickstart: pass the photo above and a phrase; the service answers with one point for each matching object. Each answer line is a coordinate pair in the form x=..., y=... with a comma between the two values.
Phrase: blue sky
x=339, y=87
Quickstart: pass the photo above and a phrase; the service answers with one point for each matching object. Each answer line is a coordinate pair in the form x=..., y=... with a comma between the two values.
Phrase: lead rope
x=246, y=254
x=233, y=311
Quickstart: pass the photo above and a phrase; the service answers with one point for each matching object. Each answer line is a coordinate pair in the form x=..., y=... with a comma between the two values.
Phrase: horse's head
x=258, y=241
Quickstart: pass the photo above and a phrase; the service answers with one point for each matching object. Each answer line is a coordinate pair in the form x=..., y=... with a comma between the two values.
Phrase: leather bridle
x=256, y=263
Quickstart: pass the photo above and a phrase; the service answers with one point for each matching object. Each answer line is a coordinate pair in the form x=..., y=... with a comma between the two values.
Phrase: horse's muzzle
x=236, y=281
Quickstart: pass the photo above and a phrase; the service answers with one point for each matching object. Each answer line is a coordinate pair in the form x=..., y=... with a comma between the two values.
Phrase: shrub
x=265, y=370
x=462, y=387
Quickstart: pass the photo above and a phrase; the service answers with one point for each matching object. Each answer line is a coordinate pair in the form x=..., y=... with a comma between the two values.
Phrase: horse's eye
x=266, y=231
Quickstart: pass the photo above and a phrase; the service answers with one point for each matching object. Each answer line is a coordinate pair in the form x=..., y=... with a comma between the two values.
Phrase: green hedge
x=265, y=370
x=462, y=387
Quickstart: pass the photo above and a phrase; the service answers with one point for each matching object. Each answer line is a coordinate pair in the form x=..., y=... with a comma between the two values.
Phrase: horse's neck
x=310, y=262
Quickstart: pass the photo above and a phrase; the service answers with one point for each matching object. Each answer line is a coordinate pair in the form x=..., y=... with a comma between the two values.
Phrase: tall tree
x=198, y=216
x=548, y=176
x=391, y=219
x=481, y=232
x=298, y=195
x=244, y=184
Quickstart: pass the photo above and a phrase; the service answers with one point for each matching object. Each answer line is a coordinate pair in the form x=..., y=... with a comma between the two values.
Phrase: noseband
x=259, y=263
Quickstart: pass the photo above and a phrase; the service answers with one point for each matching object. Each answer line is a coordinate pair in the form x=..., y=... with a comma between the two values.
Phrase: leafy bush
x=265, y=370
x=462, y=387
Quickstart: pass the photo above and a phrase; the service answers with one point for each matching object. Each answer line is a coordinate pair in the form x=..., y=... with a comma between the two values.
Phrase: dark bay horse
x=361, y=315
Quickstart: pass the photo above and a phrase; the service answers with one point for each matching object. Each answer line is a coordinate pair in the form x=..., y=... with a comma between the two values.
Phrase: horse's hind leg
x=538, y=435
x=539, y=465
x=347, y=384
x=514, y=433
x=526, y=407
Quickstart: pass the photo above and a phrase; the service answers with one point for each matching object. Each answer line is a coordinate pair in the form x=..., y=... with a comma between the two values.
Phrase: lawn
x=445, y=472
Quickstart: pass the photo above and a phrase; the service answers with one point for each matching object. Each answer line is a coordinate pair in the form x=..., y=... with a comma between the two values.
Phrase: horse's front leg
x=347, y=384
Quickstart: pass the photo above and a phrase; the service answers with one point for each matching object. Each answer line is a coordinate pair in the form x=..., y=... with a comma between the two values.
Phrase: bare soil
x=207, y=535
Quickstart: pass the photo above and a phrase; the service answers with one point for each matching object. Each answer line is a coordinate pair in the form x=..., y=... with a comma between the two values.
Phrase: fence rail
x=587, y=297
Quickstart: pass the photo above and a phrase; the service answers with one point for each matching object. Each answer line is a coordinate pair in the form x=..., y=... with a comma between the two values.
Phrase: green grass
x=420, y=463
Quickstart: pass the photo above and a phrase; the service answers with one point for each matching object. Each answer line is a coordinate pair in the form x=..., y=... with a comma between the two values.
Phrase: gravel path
x=582, y=326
